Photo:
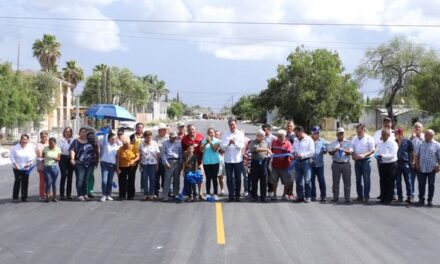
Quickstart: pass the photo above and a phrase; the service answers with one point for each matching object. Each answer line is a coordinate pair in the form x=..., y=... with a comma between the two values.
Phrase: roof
x=399, y=110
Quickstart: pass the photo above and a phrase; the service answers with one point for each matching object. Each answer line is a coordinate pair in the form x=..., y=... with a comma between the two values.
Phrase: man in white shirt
x=387, y=124
x=304, y=149
x=232, y=144
x=363, y=149
x=387, y=157
x=269, y=138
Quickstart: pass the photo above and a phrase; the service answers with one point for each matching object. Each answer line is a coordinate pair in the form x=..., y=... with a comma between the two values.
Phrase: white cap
x=162, y=126
x=340, y=130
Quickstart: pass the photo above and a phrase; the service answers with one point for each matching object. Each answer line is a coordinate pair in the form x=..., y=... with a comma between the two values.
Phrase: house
x=155, y=111
x=61, y=115
x=405, y=116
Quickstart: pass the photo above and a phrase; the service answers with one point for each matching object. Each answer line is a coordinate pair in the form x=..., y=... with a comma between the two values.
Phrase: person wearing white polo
x=232, y=144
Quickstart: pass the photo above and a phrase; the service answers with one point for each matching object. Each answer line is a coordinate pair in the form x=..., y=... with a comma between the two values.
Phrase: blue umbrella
x=109, y=111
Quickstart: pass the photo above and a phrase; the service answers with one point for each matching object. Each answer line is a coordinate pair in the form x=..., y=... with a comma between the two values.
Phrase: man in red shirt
x=195, y=139
x=281, y=165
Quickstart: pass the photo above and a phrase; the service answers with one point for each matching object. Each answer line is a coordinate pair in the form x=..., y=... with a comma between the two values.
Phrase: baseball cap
x=173, y=134
x=340, y=130
x=399, y=131
x=180, y=124
x=315, y=129
x=162, y=126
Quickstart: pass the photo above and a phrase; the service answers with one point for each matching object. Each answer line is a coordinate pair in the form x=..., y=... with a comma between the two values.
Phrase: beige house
x=61, y=115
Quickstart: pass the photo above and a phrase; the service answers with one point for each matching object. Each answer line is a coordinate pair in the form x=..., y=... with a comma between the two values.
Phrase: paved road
x=153, y=232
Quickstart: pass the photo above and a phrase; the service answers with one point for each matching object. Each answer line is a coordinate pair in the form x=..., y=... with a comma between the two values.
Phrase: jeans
x=303, y=172
x=51, y=173
x=422, y=177
x=149, y=178
x=246, y=181
x=318, y=172
x=362, y=169
x=172, y=173
x=21, y=182
x=127, y=178
x=258, y=174
x=404, y=170
x=82, y=173
x=233, y=178
x=107, y=173
x=159, y=176
x=66, y=171
x=211, y=172
x=414, y=176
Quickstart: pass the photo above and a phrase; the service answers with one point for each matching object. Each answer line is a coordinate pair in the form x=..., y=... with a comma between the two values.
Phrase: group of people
x=290, y=157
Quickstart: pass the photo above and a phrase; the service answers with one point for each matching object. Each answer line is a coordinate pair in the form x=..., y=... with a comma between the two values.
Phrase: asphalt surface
x=155, y=232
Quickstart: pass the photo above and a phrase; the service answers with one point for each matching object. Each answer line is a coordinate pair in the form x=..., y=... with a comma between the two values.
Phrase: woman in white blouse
x=109, y=147
x=386, y=154
x=22, y=157
x=150, y=154
x=66, y=169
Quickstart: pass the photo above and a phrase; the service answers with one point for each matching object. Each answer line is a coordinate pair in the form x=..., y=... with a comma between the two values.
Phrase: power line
x=261, y=23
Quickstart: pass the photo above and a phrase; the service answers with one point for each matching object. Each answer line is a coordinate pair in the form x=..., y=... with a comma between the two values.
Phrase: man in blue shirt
x=404, y=160
x=172, y=159
x=318, y=164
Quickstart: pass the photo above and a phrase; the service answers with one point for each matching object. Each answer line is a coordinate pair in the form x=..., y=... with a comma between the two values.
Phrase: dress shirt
x=233, y=153
x=388, y=150
x=21, y=157
x=64, y=144
x=417, y=141
x=429, y=155
x=149, y=153
x=171, y=151
x=320, y=150
x=108, y=151
x=305, y=147
x=405, y=150
x=378, y=134
x=362, y=145
x=341, y=157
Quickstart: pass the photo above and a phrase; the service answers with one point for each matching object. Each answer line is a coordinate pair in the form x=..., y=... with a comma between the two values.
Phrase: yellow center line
x=220, y=225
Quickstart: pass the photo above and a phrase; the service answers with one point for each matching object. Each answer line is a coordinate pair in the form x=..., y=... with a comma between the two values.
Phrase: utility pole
x=18, y=57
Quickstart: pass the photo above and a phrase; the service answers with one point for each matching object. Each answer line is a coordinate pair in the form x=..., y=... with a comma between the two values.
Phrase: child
x=190, y=165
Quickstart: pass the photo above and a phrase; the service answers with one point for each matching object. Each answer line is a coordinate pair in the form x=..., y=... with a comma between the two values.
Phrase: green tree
x=108, y=85
x=309, y=88
x=426, y=87
x=394, y=64
x=156, y=87
x=73, y=73
x=247, y=108
x=175, y=109
x=47, y=51
x=45, y=87
x=15, y=107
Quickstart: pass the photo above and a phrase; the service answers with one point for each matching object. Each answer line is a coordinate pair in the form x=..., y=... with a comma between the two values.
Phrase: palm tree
x=155, y=87
x=100, y=67
x=47, y=51
x=73, y=73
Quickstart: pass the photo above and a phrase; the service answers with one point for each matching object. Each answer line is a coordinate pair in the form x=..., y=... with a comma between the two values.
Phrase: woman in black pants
x=66, y=169
x=211, y=161
x=22, y=158
x=126, y=164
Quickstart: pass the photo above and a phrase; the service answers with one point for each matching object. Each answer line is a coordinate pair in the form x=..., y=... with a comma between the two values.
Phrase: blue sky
x=206, y=63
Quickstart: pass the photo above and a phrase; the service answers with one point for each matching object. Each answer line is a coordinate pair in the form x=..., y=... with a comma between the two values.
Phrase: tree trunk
x=389, y=106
